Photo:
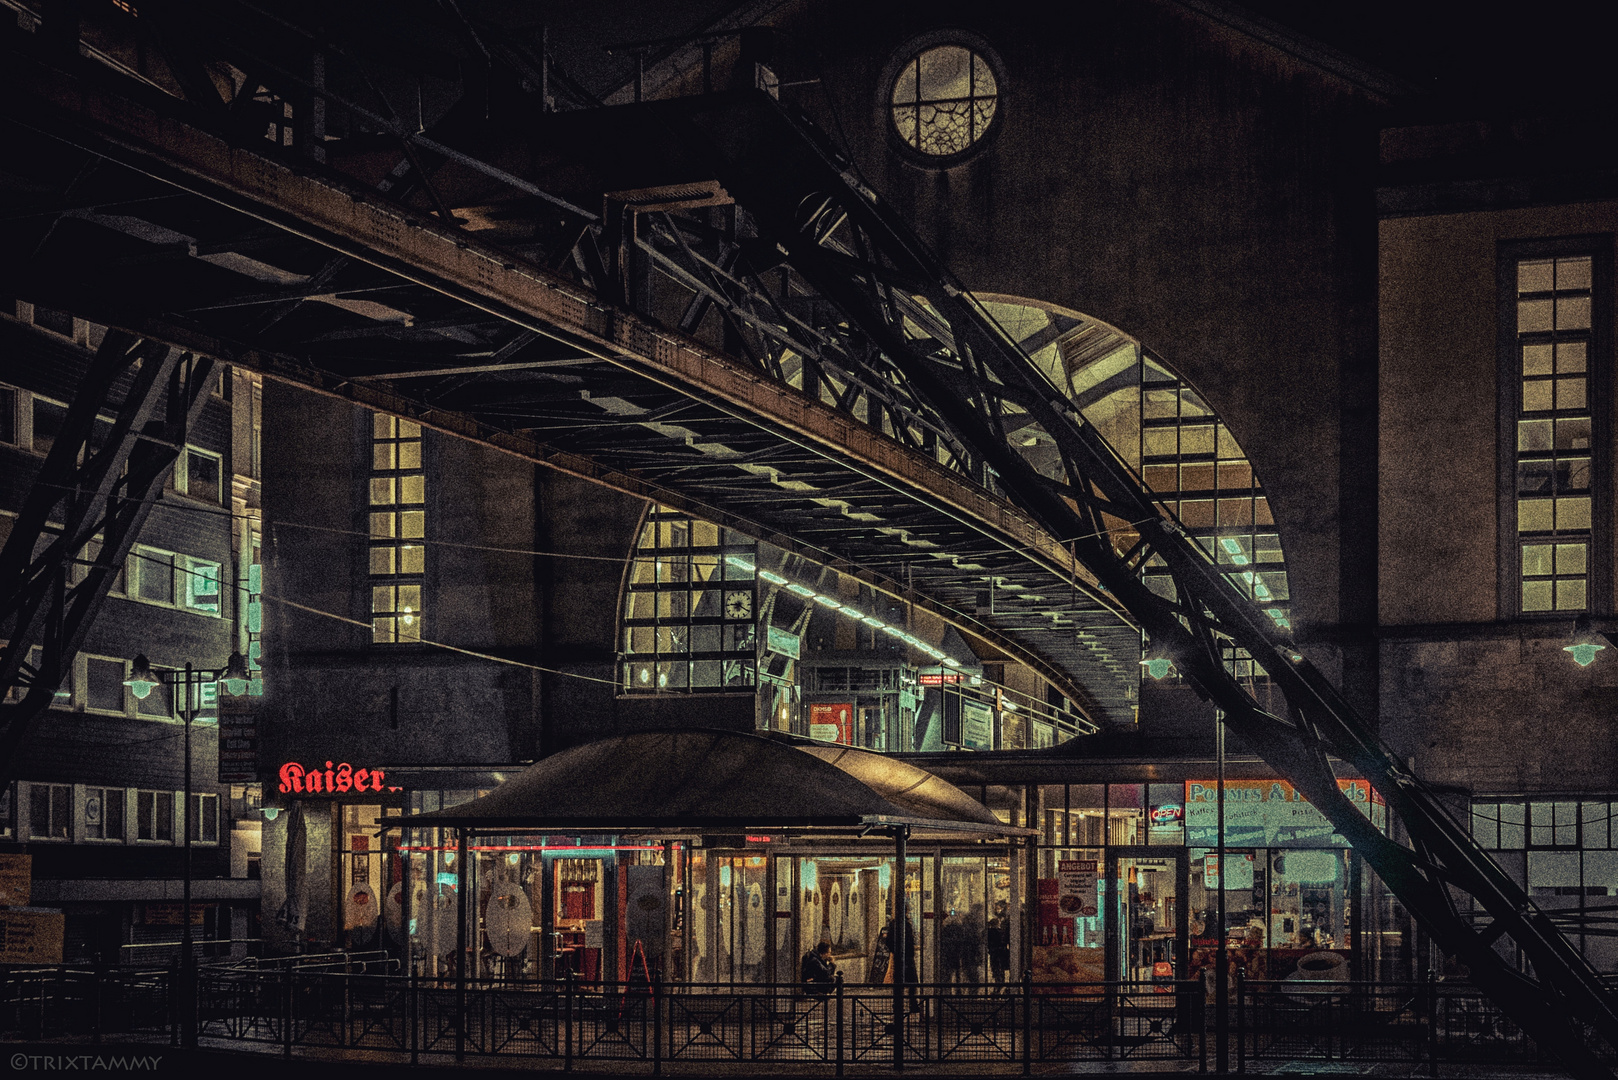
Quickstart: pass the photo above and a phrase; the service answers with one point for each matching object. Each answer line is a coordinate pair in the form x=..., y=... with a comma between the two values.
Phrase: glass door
x=1146, y=914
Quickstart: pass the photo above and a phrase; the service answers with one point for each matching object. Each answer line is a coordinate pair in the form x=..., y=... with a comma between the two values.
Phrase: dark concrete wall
x=1202, y=191
x=1490, y=704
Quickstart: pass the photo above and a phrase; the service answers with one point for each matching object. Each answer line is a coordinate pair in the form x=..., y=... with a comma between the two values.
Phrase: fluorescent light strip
x=845, y=609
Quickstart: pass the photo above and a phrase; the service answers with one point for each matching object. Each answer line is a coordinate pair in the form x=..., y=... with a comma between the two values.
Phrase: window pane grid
x=689, y=608
x=398, y=525
x=1192, y=463
x=1553, y=469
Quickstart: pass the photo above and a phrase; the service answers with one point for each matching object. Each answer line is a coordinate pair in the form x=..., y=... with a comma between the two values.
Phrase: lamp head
x=142, y=679
x=1586, y=642
x=235, y=676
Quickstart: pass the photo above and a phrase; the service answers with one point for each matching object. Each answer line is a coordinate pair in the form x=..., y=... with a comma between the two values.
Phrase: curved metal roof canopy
x=720, y=781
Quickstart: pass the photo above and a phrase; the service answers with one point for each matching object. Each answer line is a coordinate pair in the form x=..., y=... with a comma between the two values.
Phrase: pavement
x=217, y=1063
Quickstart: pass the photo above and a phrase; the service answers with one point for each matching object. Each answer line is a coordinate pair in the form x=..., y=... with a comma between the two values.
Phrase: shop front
x=1132, y=883
x=690, y=875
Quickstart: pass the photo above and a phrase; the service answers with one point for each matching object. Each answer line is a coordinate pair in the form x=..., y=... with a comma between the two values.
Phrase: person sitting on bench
x=819, y=972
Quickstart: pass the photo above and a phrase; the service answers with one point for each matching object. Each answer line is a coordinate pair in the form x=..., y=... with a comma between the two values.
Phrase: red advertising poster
x=832, y=723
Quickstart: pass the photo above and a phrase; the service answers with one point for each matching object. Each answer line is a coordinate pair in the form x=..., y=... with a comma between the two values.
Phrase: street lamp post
x=143, y=680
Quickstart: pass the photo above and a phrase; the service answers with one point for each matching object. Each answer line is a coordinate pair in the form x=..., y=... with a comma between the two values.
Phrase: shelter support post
x=900, y=944
x=461, y=937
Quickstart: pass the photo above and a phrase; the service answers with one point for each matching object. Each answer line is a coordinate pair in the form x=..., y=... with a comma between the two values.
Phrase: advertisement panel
x=977, y=726
x=31, y=936
x=16, y=879
x=832, y=722
x=1076, y=892
x=1268, y=813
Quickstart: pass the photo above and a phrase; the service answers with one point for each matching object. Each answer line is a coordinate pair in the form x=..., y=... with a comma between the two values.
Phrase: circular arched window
x=944, y=100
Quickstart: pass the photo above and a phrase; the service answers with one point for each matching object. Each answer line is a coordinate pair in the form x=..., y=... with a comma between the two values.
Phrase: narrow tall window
x=1553, y=437
x=398, y=497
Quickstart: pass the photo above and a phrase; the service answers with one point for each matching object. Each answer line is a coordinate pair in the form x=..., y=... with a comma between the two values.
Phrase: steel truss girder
x=983, y=389
x=975, y=379
x=86, y=494
x=788, y=190
x=423, y=252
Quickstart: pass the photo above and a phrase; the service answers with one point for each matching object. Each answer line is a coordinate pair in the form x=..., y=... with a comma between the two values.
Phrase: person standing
x=901, y=944
x=998, y=939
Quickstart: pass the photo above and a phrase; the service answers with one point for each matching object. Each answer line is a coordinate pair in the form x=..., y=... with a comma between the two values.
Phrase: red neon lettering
x=291, y=777
x=330, y=781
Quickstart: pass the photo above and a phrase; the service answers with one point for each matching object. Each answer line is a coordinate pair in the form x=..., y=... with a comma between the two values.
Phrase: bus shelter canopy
x=720, y=781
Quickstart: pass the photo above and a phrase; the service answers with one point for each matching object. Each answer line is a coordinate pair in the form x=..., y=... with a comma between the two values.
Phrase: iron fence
x=343, y=1003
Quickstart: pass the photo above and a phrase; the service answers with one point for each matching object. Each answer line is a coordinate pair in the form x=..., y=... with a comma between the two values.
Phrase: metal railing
x=306, y=1003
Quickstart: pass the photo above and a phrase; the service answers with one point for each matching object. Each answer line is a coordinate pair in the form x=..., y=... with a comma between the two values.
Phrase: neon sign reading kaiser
x=344, y=778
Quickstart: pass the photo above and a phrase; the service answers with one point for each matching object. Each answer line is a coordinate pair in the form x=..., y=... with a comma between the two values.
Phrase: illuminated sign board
x=1269, y=813
x=938, y=679
x=297, y=780
x=832, y=722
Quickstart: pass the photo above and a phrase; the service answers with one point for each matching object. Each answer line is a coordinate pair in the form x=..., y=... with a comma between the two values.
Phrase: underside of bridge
x=696, y=301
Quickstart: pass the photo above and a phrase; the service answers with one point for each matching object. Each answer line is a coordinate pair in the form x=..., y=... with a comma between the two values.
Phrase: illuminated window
x=398, y=498
x=1550, y=365
x=944, y=100
x=1565, y=850
x=1190, y=459
x=690, y=609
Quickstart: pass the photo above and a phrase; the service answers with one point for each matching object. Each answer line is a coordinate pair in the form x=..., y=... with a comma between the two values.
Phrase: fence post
x=567, y=1017
x=95, y=1017
x=1027, y=1021
x=174, y=1005
x=1241, y=1019
x=413, y=1007
x=657, y=1024
x=1432, y=1021
x=839, y=1023
x=286, y=1017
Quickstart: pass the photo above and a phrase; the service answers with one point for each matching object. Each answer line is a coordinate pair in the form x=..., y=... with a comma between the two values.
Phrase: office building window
x=104, y=689
x=199, y=474
x=150, y=575
x=398, y=508
x=199, y=585
x=1554, y=432
x=49, y=418
x=50, y=812
x=690, y=610
x=8, y=416
x=204, y=819
x=1564, y=851
x=104, y=813
x=154, y=816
